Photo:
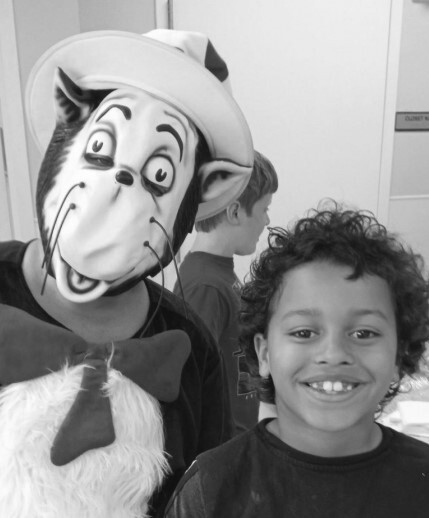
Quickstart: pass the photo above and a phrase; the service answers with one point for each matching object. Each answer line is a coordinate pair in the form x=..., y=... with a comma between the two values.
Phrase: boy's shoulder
x=199, y=261
x=231, y=454
x=408, y=448
x=200, y=270
x=212, y=484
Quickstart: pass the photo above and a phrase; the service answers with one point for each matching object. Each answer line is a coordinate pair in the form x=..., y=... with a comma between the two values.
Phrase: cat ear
x=72, y=103
x=221, y=183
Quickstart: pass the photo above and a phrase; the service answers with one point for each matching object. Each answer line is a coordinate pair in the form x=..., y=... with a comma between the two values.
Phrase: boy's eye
x=158, y=175
x=364, y=334
x=303, y=333
x=100, y=149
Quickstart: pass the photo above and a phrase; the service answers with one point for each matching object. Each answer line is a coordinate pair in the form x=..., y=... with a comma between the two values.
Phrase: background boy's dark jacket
x=256, y=475
x=211, y=287
x=200, y=418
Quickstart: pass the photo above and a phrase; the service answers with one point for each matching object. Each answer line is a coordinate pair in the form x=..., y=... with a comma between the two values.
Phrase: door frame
x=390, y=103
x=23, y=220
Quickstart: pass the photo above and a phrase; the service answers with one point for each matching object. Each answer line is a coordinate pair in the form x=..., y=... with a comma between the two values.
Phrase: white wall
x=120, y=15
x=314, y=80
x=38, y=26
x=409, y=204
x=41, y=24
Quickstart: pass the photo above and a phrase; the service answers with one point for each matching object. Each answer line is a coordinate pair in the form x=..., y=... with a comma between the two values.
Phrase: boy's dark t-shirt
x=211, y=287
x=256, y=475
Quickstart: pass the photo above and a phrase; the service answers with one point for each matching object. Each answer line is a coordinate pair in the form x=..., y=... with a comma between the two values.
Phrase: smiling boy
x=334, y=315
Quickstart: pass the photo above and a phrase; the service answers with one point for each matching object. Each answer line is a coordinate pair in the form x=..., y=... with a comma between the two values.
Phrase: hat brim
x=111, y=59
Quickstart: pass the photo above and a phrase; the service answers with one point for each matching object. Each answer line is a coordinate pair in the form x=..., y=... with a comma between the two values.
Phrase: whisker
x=72, y=206
x=112, y=353
x=179, y=280
x=146, y=243
x=81, y=185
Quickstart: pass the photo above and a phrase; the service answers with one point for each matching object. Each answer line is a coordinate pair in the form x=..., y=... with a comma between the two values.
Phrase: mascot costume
x=109, y=385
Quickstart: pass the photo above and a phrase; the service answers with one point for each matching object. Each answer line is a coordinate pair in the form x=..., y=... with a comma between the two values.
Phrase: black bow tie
x=30, y=348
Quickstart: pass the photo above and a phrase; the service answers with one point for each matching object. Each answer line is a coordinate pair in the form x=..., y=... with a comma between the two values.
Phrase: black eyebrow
x=124, y=109
x=170, y=129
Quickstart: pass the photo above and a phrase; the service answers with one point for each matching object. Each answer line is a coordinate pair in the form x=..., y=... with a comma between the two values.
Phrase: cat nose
x=124, y=177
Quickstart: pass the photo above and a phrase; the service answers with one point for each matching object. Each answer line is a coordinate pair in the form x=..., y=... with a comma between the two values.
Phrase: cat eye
x=158, y=175
x=100, y=149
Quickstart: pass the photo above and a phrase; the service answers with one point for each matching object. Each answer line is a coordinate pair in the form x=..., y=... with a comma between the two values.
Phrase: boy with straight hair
x=335, y=314
x=211, y=286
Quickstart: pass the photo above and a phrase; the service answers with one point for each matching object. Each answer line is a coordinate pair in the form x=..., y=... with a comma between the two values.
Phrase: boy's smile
x=334, y=387
x=331, y=349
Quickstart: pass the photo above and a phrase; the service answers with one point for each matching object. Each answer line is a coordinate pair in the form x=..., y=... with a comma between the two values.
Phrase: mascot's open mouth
x=79, y=283
x=76, y=286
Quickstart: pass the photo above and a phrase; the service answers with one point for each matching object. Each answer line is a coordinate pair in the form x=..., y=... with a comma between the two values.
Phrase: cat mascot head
x=142, y=136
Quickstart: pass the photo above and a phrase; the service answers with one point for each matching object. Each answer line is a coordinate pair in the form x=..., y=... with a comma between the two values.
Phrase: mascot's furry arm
x=145, y=137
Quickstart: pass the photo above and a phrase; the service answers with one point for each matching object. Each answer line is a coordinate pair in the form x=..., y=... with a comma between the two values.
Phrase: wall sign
x=412, y=121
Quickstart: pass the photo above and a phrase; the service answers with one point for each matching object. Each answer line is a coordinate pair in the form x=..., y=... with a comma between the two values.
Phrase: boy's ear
x=261, y=348
x=221, y=183
x=232, y=212
x=72, y=103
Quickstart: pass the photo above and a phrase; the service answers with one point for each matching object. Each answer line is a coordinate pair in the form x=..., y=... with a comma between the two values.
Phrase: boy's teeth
x=332, y=387
x=337, y=386
x=327, y=386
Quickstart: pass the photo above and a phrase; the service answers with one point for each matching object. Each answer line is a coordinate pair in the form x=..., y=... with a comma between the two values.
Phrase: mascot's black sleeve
x=200, y=419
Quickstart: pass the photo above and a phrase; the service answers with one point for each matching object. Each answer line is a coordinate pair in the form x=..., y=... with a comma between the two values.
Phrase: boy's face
x=252, y=225
x=331, y=351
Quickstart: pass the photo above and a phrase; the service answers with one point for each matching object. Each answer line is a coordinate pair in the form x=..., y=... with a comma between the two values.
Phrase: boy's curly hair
x=346, y=237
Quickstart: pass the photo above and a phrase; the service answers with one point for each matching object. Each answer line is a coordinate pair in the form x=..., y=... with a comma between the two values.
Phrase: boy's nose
x=334, y=350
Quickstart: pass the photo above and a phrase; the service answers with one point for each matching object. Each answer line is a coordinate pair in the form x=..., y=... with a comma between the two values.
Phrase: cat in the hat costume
x=110, y=386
